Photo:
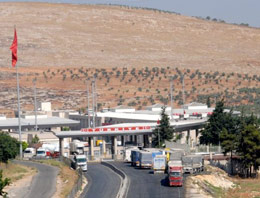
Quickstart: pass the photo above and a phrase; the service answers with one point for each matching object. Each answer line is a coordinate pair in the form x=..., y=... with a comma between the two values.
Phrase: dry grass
x=16, y=171
x=246, y=188
x=111, y=36
x=67, y=177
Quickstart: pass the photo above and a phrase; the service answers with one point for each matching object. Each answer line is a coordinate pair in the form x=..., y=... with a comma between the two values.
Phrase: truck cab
x=41, y=152
x=175, y=174
x=81, y=162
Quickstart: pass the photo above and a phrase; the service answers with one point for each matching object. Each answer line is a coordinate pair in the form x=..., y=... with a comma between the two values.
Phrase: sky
x=231, y=11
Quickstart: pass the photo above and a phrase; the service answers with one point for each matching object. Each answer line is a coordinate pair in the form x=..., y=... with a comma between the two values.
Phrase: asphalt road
x=43, y=183
x=102, y=182
x=145, y=184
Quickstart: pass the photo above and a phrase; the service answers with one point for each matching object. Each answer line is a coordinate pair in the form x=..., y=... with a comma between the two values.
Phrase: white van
x=29, y=153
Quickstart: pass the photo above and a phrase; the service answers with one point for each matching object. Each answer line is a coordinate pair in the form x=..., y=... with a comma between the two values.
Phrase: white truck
x=76, y=147
x=159, y=164
x=193, y=163
x=29, y=153
x=80, y=161
x=127, y=153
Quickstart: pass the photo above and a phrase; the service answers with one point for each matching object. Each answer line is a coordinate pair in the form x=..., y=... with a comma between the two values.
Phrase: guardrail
x=125, y=182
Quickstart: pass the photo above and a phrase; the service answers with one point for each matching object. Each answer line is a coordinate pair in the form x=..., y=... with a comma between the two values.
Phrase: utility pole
x=35, y=104
x=171, y=99
x=88, y=105
x=96, y=100
x=93, y=103
x=19, y=113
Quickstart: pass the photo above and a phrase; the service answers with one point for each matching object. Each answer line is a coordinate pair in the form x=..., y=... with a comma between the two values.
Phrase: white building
x=195, y=106
x=123, y=109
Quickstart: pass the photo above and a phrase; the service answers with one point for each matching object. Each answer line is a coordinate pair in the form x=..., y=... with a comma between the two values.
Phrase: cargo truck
x=127, y=153
x=175, y=173
x=79, y=161
x=159, y=164
x=192, y=163
x=146, y=159
x=135, y=157
x=76, y=147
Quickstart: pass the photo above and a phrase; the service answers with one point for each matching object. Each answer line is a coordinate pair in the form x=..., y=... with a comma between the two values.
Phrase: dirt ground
x=64, y=45
x=55, y=35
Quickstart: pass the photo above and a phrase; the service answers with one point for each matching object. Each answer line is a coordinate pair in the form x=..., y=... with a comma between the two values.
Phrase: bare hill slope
x=101, y=36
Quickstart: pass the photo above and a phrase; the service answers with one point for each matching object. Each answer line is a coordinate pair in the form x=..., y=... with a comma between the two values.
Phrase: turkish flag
x=13, y=48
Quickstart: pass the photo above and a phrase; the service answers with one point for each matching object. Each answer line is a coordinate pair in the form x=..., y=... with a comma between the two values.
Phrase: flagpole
x=19, y=116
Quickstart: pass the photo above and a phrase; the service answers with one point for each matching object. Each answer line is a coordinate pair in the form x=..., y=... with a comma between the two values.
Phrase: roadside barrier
x=125, y=182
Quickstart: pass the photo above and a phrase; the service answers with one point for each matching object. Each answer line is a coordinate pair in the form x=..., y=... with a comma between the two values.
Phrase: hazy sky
x=232, y=11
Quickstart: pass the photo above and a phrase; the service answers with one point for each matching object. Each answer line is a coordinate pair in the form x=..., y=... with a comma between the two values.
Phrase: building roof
x=155, y=106
x=12, y=123
x=194, y=104
x=123, y=107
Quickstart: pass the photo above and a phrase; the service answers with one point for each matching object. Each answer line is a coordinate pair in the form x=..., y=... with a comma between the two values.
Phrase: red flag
x=13, y=48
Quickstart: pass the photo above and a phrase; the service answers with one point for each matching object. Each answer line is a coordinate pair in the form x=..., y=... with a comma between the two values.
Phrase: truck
x=193, y=163
x=29, y=153
x=42, y=153
x=76, y=147
x=127, y=153
x=145, y=159
x=80, y=161
x=159, y=164
x=175, y=173
x=135, y=157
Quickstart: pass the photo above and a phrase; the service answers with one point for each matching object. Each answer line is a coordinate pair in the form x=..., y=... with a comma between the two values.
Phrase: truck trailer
x=146, y=159
x=76, y=147
x=159, y=164
x=135, y=157
x=175, y=173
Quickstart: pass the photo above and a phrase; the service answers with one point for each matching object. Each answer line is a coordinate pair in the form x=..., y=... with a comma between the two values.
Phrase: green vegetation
x=240, y=135
x=35, y=139
x=240, y=91
x=9, y=147
x=163, y=131
x=3, y=183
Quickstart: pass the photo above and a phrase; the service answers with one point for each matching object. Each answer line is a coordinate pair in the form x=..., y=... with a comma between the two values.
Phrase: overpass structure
x=132, y=129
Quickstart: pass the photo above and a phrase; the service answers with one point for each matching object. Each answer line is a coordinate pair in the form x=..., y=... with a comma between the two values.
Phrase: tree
x=35, y=139
x=249, y=147
x=3, y=183
x=212, y=130
x=9, y=147
x=25, y=145
x=208, y=102
x=164, y=131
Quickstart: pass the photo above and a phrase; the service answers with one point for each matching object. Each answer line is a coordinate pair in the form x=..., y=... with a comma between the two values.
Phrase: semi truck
x=146, y=159
x=127, y=153
x=175, y=173
x=76, y=147
x=79, y=161
x=193, y=163
x=159, y=164
x=135, y=157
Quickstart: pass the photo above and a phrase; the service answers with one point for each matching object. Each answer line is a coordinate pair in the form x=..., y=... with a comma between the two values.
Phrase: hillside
x=133, y=53
x=102, y=36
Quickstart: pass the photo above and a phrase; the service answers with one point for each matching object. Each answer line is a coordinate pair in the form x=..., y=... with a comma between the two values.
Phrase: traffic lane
x=145, y=184
x=44, y=182
x=102, y=182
